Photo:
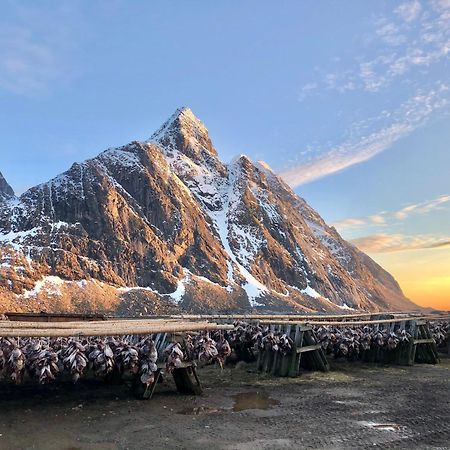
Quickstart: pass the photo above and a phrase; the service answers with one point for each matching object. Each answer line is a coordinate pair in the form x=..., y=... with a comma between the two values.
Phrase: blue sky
x=349, y=101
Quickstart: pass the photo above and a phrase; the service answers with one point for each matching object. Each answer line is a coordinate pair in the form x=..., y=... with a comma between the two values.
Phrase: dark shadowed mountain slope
x=5, y=189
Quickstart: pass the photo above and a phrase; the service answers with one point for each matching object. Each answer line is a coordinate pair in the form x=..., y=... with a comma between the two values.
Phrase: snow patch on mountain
x=178, y=294
x=51, y=284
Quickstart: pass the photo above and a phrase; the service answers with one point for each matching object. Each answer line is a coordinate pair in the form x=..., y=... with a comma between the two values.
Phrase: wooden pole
x=82, y=324
x=115, y=331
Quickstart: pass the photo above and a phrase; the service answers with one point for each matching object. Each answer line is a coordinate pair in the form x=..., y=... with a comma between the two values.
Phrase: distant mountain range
x=164, y=225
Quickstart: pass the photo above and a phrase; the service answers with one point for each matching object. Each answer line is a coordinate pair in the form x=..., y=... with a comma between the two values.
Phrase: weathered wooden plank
x=309, y=348
x=424, y=341
x=105, y=330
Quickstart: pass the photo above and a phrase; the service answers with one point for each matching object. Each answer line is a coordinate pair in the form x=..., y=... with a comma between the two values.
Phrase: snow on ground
x=12, y=236
x=345, y=306
x=311, y=292
x=178, y=294
x=138, y=288
x=50, y=283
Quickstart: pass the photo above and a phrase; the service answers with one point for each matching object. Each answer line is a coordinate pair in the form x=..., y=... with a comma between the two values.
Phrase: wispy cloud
x=414, y=37
x=349, y=223
x=25, y=65
x=409, y=11
x=422, y=208
x=386, y=217
x=306, y=89
x=387, y=243
x=346, y=155
x=378, y=219
x=361, y=147
x=34, y=49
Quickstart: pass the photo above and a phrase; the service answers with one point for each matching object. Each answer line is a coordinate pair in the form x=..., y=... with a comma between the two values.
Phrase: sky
x=348, y=101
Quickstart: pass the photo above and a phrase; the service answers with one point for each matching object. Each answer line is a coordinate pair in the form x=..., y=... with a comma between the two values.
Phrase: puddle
x=199, y=410
x=242, y=402
x=382, y=426
x=253, y=400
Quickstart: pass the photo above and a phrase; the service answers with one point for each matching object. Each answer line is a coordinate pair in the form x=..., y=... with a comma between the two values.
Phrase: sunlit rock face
x=164, y=225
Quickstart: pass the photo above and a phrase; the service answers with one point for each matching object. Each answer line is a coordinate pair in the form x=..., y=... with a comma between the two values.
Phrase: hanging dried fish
x=73, y=358
x=101, y=357
x=148, y=356
x=441, y=333
x=223, y=349
x=127, y=356
x=2, y=360
x=207, y=351
x=15, y=366
x=175, y=356
x=350, y=341
x=41, y=361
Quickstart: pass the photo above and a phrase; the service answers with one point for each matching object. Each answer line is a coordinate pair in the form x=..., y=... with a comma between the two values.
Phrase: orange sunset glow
x=424, y=275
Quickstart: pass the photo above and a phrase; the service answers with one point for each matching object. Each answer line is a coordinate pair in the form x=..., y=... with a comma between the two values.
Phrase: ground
x=354, y=406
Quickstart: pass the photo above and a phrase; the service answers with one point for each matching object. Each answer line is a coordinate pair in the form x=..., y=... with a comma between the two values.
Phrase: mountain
x=164, y=225
x=6, y=190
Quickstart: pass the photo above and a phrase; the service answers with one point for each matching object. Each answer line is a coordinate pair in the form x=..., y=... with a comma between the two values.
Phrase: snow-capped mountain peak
x=165, y=221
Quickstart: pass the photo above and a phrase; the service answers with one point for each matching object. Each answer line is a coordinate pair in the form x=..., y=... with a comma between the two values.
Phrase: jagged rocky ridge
x=164, y=225
x=6, y=190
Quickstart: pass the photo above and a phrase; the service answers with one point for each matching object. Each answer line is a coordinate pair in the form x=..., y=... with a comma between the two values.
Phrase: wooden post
x=295, y=357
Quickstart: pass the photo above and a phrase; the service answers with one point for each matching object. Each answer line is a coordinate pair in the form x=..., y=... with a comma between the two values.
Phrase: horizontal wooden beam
x=424, y=341
x=15, y=324
x=133, y=329
x=308, y=348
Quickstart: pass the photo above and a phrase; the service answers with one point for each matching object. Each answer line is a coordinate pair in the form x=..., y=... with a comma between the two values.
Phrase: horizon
x=357, y=125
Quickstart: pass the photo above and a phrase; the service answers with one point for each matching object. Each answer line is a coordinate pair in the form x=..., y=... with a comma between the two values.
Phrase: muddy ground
x=352, y=407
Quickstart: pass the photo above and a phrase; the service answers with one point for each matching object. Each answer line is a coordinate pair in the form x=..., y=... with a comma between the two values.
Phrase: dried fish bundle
x=207, y=350
x=73, y=357
x=126, y=355
x=2, y=361
x=148, y=356
x=327, y=338
x=190, y=346
x=440, y=332
x=4, y=351
x=366, y=338
x=245, y=337
x=257, y=338
x=392, y=341
x=350, y=341
x=404, y=336
x=285, y=344
x=175, y=356
x=270, y=342
x=223, y=349
x=101, y=357
x=41, y=361
x=15, y=362
x=58, y=343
